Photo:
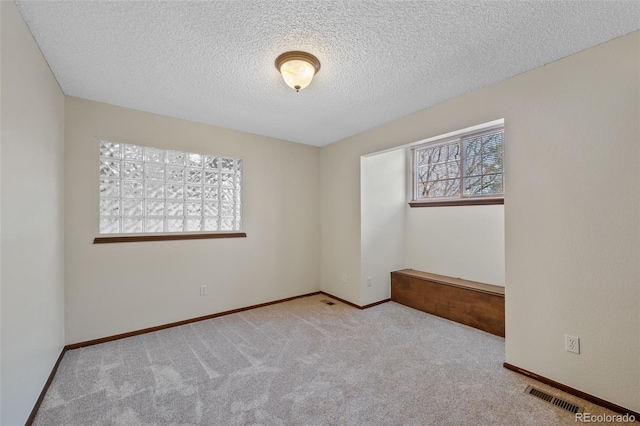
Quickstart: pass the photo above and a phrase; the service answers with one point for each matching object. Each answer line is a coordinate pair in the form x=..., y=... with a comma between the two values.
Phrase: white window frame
x=461, y=198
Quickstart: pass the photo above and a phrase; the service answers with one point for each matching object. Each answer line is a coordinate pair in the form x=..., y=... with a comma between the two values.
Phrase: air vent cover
x=327, y=302
x=558, y=402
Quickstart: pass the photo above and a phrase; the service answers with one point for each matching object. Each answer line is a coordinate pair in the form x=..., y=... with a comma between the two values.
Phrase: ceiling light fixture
x=297, y=68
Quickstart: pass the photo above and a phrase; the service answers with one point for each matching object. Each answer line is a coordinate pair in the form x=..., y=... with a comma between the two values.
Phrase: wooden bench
x=475, y=304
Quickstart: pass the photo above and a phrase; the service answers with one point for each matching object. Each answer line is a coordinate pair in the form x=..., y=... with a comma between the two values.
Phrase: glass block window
x=467, y=166
x=152, y=190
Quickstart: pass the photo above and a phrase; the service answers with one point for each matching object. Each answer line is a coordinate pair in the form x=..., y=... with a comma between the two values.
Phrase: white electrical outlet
x=344, y=278
x=203, y=290
x=572, y=344
x=369, y=281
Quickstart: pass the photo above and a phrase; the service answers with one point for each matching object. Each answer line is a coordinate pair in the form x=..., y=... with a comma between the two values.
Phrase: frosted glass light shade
x=297, y=74
x=297, y=68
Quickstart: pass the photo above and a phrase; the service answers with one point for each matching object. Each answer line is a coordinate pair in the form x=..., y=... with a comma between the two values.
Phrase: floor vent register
x=558, y=402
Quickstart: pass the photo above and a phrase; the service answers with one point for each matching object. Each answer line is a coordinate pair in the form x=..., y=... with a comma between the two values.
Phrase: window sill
x=168, y=237
x=458, y=202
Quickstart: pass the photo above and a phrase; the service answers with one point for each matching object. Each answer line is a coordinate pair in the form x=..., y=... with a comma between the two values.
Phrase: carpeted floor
x=300, y=363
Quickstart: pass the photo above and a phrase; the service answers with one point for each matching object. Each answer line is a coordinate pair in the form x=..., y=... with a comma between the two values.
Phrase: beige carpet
x=299, y=363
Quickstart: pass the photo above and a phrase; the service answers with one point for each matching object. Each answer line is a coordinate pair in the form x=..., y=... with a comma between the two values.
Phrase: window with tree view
x=467, y=167
x=150, y=190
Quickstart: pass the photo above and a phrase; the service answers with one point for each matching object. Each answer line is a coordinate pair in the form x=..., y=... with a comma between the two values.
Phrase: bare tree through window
x=468, y=166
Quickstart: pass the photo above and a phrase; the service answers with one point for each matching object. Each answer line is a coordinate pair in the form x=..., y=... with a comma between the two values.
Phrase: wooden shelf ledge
x=168, y=237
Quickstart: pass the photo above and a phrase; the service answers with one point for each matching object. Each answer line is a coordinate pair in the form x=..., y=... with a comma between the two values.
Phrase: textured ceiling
x=213, y=62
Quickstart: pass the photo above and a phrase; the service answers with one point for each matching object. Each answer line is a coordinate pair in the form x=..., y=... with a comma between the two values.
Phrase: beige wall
x=31, y=190
x=572, y=240
x=464, y=242
x=115, y=288
x=382, y=201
